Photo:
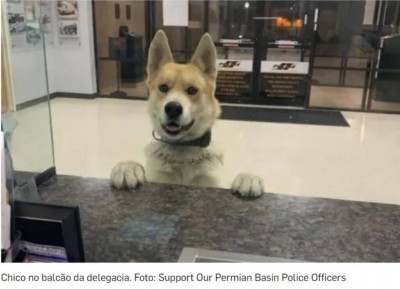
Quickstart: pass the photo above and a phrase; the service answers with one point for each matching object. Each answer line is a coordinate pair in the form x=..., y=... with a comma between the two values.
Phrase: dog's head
x=181, y=103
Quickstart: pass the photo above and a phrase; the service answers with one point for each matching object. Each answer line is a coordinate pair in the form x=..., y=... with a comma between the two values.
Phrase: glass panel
x=240, y=53
x=27, y=122
x=355, y=78
x=326, y=61
x=231, y=26
x=348, y=44
x=196, y=24
x=274, y=54
x=325, y=76
x=236, y=19
x=385, y=95
x=336, y=97
x=391, y=22
x=286, y=20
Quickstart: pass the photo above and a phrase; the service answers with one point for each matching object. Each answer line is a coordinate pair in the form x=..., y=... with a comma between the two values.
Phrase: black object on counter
x=51, y=224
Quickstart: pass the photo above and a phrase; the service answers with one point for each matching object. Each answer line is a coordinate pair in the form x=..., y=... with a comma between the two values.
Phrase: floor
x=360, y=162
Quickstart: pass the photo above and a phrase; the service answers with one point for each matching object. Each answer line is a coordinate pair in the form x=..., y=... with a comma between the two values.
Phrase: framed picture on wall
x=67, y=9
x=68, y=28
x=16, y=23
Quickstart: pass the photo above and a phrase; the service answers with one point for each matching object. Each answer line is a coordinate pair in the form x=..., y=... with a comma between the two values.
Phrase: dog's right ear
x=159, y=54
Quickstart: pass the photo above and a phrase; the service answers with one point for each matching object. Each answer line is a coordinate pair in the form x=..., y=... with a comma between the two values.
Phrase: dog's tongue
x=173, y=127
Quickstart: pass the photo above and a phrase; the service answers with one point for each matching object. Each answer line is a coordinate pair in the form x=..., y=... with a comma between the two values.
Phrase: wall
x=74, y=65
x=71, y=68
x=28, y=75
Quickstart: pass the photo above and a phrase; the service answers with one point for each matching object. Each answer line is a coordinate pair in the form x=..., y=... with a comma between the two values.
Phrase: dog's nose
x=173, y=109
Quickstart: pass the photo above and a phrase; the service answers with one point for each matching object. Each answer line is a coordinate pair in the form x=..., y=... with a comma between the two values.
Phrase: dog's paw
x=248, y=186
x=127, y=175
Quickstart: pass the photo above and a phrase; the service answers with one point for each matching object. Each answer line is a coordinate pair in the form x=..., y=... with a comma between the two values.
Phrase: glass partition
x=385, y=75
x=27, y=119
x=348, y=53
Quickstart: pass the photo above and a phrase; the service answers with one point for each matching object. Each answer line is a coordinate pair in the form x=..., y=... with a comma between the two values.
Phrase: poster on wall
x=67, y=9
x=16, y=23
x=68, y=21
x=68, y=28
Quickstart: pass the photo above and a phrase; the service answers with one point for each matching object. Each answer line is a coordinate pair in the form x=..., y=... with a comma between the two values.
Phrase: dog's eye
x=192, y=90
x=163, y=88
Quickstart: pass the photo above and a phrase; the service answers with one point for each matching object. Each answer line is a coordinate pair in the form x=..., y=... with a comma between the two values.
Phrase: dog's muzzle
x=173, y=128
x=174, y=110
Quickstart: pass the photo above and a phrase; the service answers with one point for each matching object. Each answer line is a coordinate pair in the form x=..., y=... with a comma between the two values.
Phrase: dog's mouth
x=173, y=128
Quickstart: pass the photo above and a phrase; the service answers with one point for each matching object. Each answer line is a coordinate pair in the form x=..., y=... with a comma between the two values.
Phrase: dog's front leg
x=127, y=175
x=247, y=185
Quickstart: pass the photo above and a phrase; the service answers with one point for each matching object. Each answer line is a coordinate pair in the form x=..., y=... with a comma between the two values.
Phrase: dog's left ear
x=205, y=56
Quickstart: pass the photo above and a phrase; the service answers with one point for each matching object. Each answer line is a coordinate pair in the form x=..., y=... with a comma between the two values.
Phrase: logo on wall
x=284, y=66
x=229, y=64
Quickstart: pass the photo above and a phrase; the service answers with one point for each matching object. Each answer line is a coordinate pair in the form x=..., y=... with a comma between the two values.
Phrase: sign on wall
x=284, y=79
x=175, y=12
x=234, y=77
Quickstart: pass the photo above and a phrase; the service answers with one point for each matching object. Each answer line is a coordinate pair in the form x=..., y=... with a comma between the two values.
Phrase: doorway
x=307, y=54
x=121, y=37
x=352, y=69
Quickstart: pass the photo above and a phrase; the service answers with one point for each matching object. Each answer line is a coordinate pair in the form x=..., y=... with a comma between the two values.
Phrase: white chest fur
x=189, y=165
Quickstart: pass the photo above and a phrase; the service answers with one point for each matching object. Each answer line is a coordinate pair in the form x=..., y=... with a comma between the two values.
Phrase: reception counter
x=155, y=222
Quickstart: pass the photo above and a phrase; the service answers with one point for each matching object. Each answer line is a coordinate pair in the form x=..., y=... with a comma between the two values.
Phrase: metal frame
x=193, y=255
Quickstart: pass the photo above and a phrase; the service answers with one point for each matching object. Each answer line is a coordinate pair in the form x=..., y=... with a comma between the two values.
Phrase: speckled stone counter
x=154, y=223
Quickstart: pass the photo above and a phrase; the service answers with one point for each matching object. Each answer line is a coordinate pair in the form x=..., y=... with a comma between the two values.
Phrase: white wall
x=28, y=75
x=74, y=65
x=71, y=66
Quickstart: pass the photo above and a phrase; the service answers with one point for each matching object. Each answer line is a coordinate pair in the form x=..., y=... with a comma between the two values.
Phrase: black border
x=67, y=216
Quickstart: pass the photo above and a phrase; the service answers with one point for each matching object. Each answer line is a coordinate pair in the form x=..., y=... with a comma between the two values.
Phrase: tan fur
x=167, y=161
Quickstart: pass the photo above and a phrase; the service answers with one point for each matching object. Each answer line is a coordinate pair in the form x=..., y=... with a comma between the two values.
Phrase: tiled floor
x=360, y=162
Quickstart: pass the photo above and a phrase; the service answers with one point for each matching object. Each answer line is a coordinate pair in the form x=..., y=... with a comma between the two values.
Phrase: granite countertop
x=155, y=222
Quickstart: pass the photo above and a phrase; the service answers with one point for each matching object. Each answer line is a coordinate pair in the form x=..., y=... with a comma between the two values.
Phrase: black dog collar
x=203, y=141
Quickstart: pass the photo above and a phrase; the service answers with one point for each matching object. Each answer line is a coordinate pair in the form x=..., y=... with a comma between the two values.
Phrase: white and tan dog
x=183, y=109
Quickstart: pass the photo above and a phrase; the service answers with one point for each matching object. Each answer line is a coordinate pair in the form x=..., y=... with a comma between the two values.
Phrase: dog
x=183, y=109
